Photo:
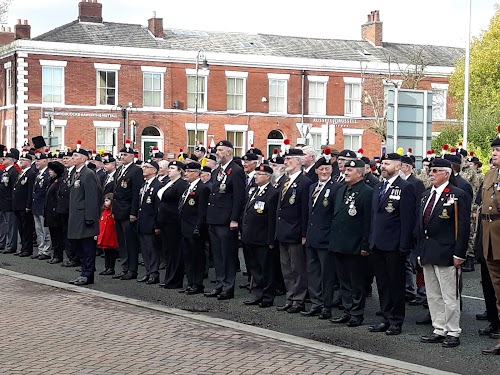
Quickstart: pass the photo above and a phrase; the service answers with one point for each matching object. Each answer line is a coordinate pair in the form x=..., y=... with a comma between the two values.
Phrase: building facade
x=103, y=82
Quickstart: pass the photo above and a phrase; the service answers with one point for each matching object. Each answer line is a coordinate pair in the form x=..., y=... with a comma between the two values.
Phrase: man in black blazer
x=257, y=235
x=8, y=228
x=109, y=166
x=321, y=273
x=37, y=207
x=443, y=234
x=370, y=179
x=343, y=157
x=291, y=228
x=192, y=214
x=128, y=183
x=21, y=204
x=391, y=240
x=349, y=241
x=223, y=215
x=309, y=167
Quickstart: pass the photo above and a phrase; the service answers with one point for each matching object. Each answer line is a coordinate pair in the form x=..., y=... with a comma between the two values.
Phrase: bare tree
x=4, y=8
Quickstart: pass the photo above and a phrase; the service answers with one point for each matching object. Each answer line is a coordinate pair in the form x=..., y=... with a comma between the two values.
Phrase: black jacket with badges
x=168, y=210
x=148, y=207
x=437, y=243
x=39, y=191
x=320, y=215
x=227, y=197
x=351, y=220
x=393, y=217
x=126, y=192
x=23, y=190
x=8, y=180
x=63, y=192
x=52, y=217
x=371, y=180
x=293, y=211
x=193, y=212
x=259, y=217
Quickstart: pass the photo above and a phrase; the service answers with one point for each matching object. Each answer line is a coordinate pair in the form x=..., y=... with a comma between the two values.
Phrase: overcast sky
x=440, y=22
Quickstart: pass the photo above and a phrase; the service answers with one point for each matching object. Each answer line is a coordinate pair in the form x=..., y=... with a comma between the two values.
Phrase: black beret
x=138, y=162
x=264, y=168
x=320, y=162
x=277, y=160
x=57, y=167
x=440, y=163
x=212, y=157
x=38, y=141
x=365, y=160
x=391, y=156
x=193, y=157
x=26, y=155
x=200, y=148
x=463, y=152
x=453, y=158
x=255, y=151
x=495, y=142
x=91, y=166
x=97, y=158
x=177, y=163
x=109, y=159
x=407, y=160
x=152, y=163
x=40, y=155
x=250, y=157
x=193, y=165
x=348, y=154
x=206, y=169
x=159, y=155
x=127, y=150
x=225, y=143
x=355, y=163
x=81, y=151
x=295, y=152
x=13, y=153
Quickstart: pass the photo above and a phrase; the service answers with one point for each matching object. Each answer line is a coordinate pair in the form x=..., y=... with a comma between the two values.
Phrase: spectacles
x=260, y=174
x=435, y=170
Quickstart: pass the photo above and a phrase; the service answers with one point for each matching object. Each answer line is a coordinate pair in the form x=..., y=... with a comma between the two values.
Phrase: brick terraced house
x=102, y=82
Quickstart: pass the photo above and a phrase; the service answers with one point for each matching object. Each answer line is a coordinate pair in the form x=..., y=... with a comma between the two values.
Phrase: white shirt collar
x=42, y=171
x=391, y=180
x=294, y=176
x=80, y=169
x=193, y=184
x=223, y=167
x=439, y=190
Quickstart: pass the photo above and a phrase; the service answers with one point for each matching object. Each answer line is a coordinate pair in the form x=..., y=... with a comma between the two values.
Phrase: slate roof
x=138, y=36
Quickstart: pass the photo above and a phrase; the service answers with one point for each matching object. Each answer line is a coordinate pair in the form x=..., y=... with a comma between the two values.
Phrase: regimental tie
x=183, y=199
x=316, y=192
x=144, y=190
x=285, y=188
x=429, y=208
x=382, y=190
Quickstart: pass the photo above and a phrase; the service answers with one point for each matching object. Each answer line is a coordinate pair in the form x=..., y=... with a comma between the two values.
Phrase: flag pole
x=466, y=74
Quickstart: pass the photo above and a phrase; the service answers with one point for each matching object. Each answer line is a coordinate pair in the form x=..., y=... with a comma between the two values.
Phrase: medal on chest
x=349, y=201
x=77, y=183
x=259, y=206
x=294, y=194
x=325, y=197
x=124, y=184
x=24, y=180
x=191, y=202
x=5, y=179
x=389, y=208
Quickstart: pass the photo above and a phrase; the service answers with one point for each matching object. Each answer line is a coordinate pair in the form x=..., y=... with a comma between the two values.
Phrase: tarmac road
x=465, y=359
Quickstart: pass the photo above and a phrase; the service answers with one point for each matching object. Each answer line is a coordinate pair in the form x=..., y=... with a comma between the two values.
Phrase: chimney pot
x=372, y=30
x=25, y=22
x=90, y=11
x=18, y=21
x=9, y=30
x=22, y=30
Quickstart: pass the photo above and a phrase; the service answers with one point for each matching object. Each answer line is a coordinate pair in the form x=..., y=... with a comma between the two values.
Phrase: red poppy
x=228, y=171
x=446, y=190
x=192, y=193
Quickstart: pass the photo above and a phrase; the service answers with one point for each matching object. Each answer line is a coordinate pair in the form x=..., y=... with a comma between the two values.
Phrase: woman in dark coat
x=53, y=219
x=168, y=222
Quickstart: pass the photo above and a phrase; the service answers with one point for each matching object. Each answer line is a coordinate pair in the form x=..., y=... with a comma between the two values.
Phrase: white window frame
x=8, y=83
x=114, y=125
x=55, y=64
x=100, y=67
x=61, y=124
x=324, y=81
x=154, y=70
x=200, y=128
x=237, y=75
x=350, y=83
x=202, y=75
x=353, y=133
x=315, y=132
x=238, y=129
x=278, y=78
x=8, y=133
x=442, y=88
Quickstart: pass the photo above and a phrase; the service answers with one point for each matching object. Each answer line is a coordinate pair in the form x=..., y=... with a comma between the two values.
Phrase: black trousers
x=194, y=260
x=351, y=270
x=128, y=245
x=86, y=249
x=57, y=239
x=171, y=248
x=225, y=252
x=259, y=262
x=390, y=273
x=69, y=247
x=150, y=254
x=110, y=257
x=489, y=295
x=26, y=226
x=321, y=274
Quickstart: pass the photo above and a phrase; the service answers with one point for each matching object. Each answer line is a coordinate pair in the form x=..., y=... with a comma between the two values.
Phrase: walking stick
x=457, y=272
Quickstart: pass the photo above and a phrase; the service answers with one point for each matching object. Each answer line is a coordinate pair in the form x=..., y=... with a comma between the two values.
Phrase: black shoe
x=418, y=301
x=265, y=304
x=119, y=275
x=280, y=292
x=24, y=255
x=432, y=338
x=213, y=293
x=225, y=296
x=244, y=286
x=69, y=263
x=325, y=314
x=409, y=297
x=8, y=251
x=153, y=280
x=355, y=321
x=379, y=313
x=109, y=272
x=54, y=261
x=43, y=257
x=381, y=327
x=483, y=316
x=341, y=319
x=489, y=330
x=17, y=253
x=193, y=291
x=253, y=301
x=468, y=265
x=83, y=281
x=450, y=342
x=337, y=302
x=492, y=351
x=34, y=256
x=103, y=272
x=285, y=307
x=143, y=279
x=296, y=309
x=311, y=312
x=425, y=321
x=393, y=330
x=128, y=276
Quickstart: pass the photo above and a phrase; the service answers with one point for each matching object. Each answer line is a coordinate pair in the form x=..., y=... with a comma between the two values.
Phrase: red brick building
x=100, y=82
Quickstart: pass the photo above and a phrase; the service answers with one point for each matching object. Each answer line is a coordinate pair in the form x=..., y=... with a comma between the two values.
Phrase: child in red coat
x=106, y=239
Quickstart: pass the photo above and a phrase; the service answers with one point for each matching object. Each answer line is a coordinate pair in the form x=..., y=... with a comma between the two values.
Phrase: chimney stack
x=155, y=26
x=22, y=30
x=6, y=36
x=371, y=31
x=90, y=11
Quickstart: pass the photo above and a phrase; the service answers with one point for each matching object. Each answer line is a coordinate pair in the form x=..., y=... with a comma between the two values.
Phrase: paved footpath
x=47, y=327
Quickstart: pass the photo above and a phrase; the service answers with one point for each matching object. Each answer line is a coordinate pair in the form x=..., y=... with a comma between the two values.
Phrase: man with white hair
x=442, y=235
x=310, y=157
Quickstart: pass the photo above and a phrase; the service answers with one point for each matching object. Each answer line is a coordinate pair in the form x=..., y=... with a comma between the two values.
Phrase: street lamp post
x=124, y=110
x=204, y=66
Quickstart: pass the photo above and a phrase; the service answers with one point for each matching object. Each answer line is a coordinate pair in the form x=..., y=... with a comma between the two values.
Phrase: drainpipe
x=302, y=98
x=14, y=122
